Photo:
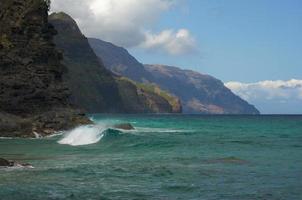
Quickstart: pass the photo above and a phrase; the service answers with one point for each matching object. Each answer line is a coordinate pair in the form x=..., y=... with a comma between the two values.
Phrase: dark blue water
x=166, y=157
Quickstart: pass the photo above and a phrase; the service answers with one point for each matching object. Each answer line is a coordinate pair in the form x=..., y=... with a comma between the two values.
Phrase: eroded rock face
x=31, y=86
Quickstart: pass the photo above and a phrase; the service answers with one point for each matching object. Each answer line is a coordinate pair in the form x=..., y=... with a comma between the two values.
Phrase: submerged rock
x=227, y=160
x=125, y=126
x=8, y=163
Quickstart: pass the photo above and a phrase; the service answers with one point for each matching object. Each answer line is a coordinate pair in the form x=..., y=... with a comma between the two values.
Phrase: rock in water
x=125, y=126
x=33, y=96
x=4, y=163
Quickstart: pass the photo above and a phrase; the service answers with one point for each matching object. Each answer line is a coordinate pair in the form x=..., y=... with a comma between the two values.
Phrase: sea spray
x=83, y=135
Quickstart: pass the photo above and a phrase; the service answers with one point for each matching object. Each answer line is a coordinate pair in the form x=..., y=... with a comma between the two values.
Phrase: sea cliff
x=33, y=97
x=95, y=88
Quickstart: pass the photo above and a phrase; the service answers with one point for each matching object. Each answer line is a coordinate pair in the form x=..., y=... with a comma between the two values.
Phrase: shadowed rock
x=5, y=163
x=96, y=89
x=33, y=95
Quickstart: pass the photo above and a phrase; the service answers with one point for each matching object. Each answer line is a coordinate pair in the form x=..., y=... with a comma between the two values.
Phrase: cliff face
x=198, y=93
x=119, y=61
x=93, y=87
x=146, y=98
x=33, y=96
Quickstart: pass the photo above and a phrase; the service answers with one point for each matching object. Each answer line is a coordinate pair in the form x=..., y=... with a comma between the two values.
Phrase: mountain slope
x=119, y=61
x=94, y=87
x=33, y=97
x=143, y=98
x=198, y=93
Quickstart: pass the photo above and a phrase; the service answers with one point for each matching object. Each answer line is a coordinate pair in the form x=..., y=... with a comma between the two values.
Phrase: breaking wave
x=91, y=134
x=83, y=135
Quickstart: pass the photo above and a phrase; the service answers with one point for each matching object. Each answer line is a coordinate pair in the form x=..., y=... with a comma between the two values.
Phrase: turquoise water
x=166, y=157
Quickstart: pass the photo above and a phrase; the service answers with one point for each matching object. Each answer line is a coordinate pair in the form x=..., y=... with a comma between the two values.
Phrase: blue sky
x=238, y=40
x=253, y=46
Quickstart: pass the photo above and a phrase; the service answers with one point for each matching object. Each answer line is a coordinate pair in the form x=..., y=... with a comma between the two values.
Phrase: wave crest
x=83, y=135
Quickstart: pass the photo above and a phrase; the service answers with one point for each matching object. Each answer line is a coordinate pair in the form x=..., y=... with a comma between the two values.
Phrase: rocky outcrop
x=125, y=126
x=197, y=92
x=33, y=96
x=5, y=163
x=95, y=88
x=9, y=163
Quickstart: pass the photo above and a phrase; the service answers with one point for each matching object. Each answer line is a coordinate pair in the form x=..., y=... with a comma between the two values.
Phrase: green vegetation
x=154, y=89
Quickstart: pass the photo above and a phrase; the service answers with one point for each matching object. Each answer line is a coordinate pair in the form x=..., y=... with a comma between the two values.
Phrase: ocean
x=165, y=157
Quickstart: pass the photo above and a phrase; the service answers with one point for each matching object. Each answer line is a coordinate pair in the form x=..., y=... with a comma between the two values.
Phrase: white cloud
x=271, y=96
x=268, y=89
x=127, y=23
x=175, y=43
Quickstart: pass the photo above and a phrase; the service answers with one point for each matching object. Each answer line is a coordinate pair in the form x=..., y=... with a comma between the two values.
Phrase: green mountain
x=95, y=88
x=198, y=93
x=33, y=96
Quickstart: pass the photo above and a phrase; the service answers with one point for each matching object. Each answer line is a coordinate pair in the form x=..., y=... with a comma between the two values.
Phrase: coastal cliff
x=95, y=88
x=198, y=93
x=33, y=97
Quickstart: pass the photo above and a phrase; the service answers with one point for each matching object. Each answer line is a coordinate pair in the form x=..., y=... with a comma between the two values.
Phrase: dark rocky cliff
x=198, y=93
x=95, y=88
x=33, y=97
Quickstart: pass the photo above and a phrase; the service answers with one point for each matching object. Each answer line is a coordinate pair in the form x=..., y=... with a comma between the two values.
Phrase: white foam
x=16, y=167
x=6, y=138
x=55, y=134
x=37, y=135
x=83, y=135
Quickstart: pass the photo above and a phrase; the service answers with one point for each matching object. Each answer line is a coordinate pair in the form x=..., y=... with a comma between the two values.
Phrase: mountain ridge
x=94, y=87
x=200, y=93
x=196, y=98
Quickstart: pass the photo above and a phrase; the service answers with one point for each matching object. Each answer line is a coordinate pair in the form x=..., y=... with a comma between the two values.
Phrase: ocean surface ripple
x=165, y=157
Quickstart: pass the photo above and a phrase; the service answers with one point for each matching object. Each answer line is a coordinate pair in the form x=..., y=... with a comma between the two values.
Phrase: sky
x=254, y=46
